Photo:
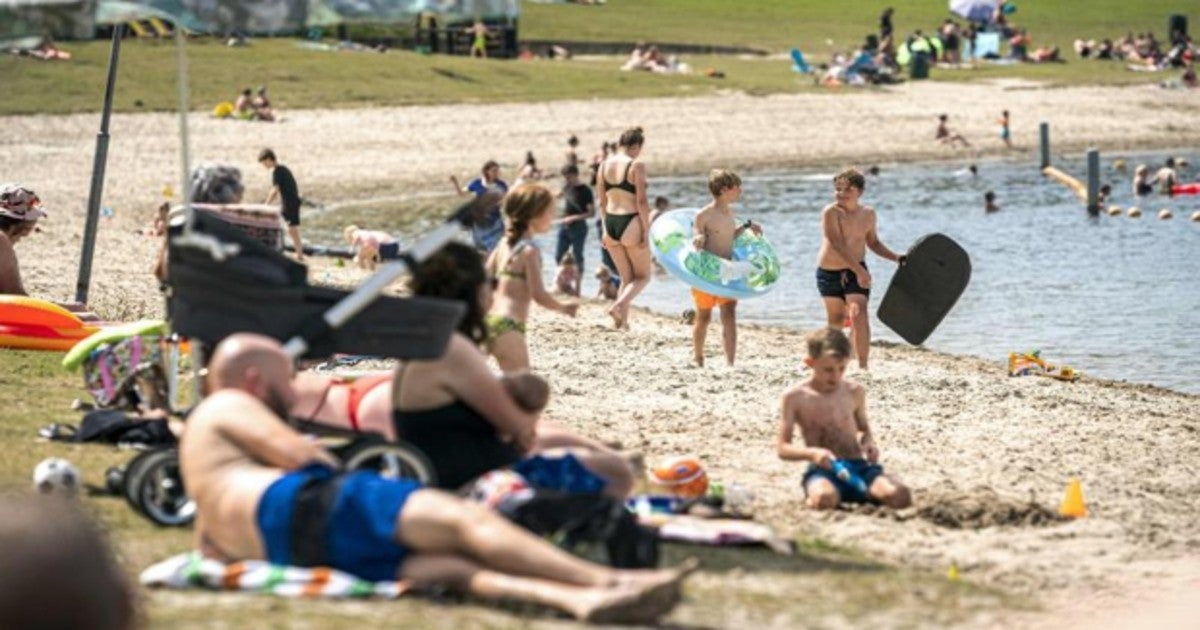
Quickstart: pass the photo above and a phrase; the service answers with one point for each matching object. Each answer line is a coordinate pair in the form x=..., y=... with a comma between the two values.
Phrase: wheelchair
x=253, y=287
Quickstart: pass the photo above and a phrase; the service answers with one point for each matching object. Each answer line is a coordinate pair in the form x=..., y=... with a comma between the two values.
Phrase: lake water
x=1113, y=297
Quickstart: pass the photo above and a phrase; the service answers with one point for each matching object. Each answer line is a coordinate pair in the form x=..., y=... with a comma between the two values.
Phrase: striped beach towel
x=191, y=570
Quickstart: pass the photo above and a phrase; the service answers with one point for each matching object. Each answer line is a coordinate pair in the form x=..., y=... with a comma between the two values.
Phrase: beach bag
x=575, y=521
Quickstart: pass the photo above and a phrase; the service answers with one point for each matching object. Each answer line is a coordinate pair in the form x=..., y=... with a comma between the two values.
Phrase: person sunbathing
x=265, y=492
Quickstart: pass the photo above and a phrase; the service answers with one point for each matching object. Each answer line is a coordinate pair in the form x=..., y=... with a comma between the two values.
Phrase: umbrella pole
x=99, y=161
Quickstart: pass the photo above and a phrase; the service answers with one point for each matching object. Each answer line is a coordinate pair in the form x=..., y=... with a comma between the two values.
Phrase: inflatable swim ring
x=31, y=324
x=80, y=351
x=753, y=271
x=1186, y=189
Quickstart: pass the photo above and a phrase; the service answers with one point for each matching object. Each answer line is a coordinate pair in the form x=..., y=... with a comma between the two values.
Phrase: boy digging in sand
x=714, y=230
x=831, y=414
x=847, y=230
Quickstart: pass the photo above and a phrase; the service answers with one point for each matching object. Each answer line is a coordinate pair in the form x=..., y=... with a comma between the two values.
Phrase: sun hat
x=20, y=203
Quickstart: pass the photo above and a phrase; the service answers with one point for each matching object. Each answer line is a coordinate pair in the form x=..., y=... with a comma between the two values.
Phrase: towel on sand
x=191, y=570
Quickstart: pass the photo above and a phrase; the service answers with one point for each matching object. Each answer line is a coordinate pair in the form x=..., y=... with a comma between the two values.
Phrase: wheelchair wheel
x=392, y=460
x=154, y=487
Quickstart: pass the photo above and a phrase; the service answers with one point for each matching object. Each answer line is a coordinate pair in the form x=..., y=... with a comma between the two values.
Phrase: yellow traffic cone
x=952, y=572
x=1072, y=504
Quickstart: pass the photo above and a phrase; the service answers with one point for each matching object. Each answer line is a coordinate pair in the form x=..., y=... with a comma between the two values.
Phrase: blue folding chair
x=798, y=62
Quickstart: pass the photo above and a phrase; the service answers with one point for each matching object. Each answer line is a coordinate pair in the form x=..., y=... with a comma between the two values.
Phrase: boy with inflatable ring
x=831, y=414
x=714, y=230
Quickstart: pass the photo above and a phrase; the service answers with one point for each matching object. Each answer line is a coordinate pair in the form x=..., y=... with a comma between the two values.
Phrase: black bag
x=112, y=426
x=572, y=519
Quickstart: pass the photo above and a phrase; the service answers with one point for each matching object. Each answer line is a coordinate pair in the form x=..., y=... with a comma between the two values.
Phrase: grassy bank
x=302, y=78
x=779, y=25
x=735, y=585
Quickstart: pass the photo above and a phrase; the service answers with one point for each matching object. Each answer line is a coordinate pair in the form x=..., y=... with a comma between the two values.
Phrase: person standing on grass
x=284, y=188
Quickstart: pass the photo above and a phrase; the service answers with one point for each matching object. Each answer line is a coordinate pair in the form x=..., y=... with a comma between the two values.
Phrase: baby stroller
x=232, y=282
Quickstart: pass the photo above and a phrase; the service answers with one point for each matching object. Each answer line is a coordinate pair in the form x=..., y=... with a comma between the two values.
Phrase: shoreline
x=954, y=427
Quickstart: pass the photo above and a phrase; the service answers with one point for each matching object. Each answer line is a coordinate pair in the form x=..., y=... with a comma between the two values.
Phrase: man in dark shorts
x=284, y=188
x=579, y=205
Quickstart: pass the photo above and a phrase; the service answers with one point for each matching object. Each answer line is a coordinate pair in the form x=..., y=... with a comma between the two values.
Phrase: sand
x=955, y=429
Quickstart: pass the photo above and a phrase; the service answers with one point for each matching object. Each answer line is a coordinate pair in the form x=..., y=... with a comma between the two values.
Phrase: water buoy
x=1134, y=212
x=1196, y=216
x=1114, y=211
x=1165, y=214
x=1119, y=166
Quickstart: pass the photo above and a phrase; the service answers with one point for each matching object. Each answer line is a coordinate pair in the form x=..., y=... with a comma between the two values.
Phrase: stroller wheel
x=154, y=487
x=392, y=460
x=114, y=480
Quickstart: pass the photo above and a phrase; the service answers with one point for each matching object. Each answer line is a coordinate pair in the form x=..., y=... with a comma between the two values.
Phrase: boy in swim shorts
x=831, y=414
x=847, y=230
x=714, y=230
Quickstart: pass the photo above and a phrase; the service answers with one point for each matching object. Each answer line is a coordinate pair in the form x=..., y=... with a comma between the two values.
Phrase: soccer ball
x=682, y=477
x=493, y=488
x=56, y=476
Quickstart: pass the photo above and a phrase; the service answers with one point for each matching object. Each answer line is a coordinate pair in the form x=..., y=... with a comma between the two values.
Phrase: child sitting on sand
x=370, y=246
x=567, y=280
x=714, y=230
x=609, y=284
x=831, y=414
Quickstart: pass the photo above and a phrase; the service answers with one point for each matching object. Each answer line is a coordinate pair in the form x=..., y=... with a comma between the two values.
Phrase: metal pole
x=99, y=161
x=1093, y=181
x=1044, y=133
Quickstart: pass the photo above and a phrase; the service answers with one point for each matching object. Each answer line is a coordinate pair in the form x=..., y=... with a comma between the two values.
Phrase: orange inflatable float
x=31, y=324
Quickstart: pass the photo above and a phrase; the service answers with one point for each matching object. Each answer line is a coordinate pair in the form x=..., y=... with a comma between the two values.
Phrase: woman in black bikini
x=457, y=411
x=625, y=211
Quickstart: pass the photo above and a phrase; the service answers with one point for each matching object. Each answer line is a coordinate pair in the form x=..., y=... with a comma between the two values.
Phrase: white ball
x=56, y=476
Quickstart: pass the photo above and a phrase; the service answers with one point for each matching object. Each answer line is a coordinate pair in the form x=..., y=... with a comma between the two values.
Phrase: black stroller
x=222, y=281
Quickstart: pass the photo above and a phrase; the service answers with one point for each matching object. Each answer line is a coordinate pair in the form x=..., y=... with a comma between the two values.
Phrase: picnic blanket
x=191, y=570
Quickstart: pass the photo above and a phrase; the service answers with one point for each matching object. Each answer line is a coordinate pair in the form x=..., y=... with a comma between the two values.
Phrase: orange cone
x=1072, y=504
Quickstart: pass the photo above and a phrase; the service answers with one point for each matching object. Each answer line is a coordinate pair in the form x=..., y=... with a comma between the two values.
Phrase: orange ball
x=679, y=476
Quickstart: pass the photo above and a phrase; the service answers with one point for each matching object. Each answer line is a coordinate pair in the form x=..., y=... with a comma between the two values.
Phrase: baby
x=568, y=280
x=370, y=246
x=530, y=391
x=609, y=284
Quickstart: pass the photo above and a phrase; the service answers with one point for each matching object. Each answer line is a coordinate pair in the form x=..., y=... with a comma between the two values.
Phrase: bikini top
x=507, y=272
x=624, y=184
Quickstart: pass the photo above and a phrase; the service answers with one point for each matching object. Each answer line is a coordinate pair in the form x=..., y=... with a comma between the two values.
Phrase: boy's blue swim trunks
x=862, y=468
x=318, y=517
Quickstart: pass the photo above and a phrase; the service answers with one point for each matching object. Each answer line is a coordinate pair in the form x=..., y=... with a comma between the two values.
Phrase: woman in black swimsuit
x=621, y=191
x=457, y=411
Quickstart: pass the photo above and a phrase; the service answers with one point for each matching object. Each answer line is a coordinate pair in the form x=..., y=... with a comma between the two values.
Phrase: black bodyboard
x=936, y=272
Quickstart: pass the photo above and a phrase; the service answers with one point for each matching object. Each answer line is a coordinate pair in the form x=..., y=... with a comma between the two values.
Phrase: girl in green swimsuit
x=516, y=266
x=621, y=194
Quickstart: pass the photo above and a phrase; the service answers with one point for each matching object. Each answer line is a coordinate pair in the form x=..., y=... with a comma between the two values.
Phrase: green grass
x=302, y=79
x=821, y=584
x=779, y=25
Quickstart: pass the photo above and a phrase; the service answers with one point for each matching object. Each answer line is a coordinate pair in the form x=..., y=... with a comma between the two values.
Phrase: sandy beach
x=989, y=456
